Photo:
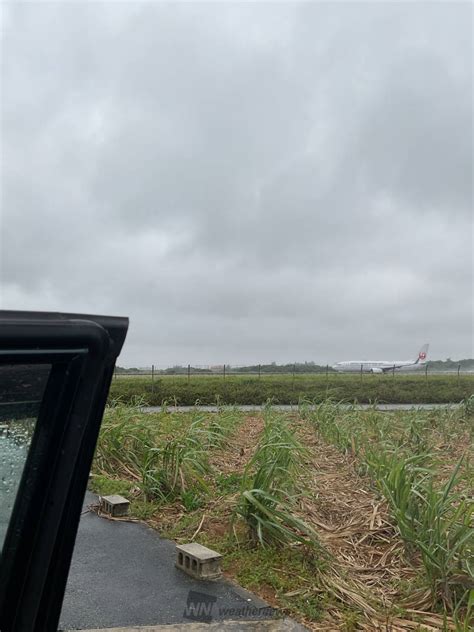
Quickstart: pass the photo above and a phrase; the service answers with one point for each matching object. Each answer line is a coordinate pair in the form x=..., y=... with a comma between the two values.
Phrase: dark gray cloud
x=248, y=182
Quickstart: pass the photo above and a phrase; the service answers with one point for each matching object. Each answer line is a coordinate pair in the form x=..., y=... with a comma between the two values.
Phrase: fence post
x=189, y=372
x=459, y=370
x=393, y=371
x=224, y=371
x=361, y=370
x=426, y=372
x=259, y=371
x=152, y=377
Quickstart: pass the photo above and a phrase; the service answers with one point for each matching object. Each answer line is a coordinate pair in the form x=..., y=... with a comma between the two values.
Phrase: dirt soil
x=353, y=523
x=240, y=448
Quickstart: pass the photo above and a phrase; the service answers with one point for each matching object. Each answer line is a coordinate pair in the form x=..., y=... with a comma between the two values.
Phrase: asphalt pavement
x=124, y=574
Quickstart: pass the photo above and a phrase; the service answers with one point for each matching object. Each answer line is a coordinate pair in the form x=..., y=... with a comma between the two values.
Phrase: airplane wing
x=387, y=369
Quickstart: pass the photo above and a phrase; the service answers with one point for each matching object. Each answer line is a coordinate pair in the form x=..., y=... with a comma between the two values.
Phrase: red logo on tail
x=422, y=355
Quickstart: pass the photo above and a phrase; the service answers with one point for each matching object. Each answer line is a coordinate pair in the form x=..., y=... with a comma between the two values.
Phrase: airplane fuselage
x=375, y=366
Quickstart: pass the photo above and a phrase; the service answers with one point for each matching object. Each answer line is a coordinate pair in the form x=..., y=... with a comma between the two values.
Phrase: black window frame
x=39, y=542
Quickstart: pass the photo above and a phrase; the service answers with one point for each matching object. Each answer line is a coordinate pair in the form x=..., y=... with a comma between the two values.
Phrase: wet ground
x=123, y=574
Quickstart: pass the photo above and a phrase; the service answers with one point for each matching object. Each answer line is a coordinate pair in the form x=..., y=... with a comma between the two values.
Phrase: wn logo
x=199, y=606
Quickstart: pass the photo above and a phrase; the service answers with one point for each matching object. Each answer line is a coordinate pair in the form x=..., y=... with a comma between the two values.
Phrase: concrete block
x=198, y=561
x=114, y=505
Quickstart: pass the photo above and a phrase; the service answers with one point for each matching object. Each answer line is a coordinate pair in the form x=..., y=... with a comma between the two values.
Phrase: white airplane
x=382, y=366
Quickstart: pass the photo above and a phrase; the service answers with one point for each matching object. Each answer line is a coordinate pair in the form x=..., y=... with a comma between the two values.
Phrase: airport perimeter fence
x=226, y=371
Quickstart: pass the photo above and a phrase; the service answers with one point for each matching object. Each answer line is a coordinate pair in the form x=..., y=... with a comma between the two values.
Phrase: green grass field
x=288, y=389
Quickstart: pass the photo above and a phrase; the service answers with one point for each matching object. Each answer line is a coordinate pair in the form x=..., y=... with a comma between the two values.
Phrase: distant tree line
x=450, y=365
x=292, y=367
x=273, y=367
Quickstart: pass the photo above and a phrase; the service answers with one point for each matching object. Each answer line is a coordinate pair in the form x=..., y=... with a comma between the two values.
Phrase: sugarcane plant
x=271, y=485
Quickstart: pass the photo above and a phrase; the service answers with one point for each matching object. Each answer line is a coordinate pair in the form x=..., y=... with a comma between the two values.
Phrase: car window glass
x=21, y=391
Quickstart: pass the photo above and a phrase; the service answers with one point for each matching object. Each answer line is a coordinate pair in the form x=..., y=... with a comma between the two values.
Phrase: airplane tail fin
x=421, y=359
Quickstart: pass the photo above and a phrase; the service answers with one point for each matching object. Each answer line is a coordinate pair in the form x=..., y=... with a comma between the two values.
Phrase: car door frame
x=39, y=542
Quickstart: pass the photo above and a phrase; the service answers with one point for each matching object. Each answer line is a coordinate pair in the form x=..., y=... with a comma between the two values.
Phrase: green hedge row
x=388, y=389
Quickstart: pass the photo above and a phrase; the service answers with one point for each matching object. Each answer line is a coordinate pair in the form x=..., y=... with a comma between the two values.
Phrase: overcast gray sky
x=246, y=182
